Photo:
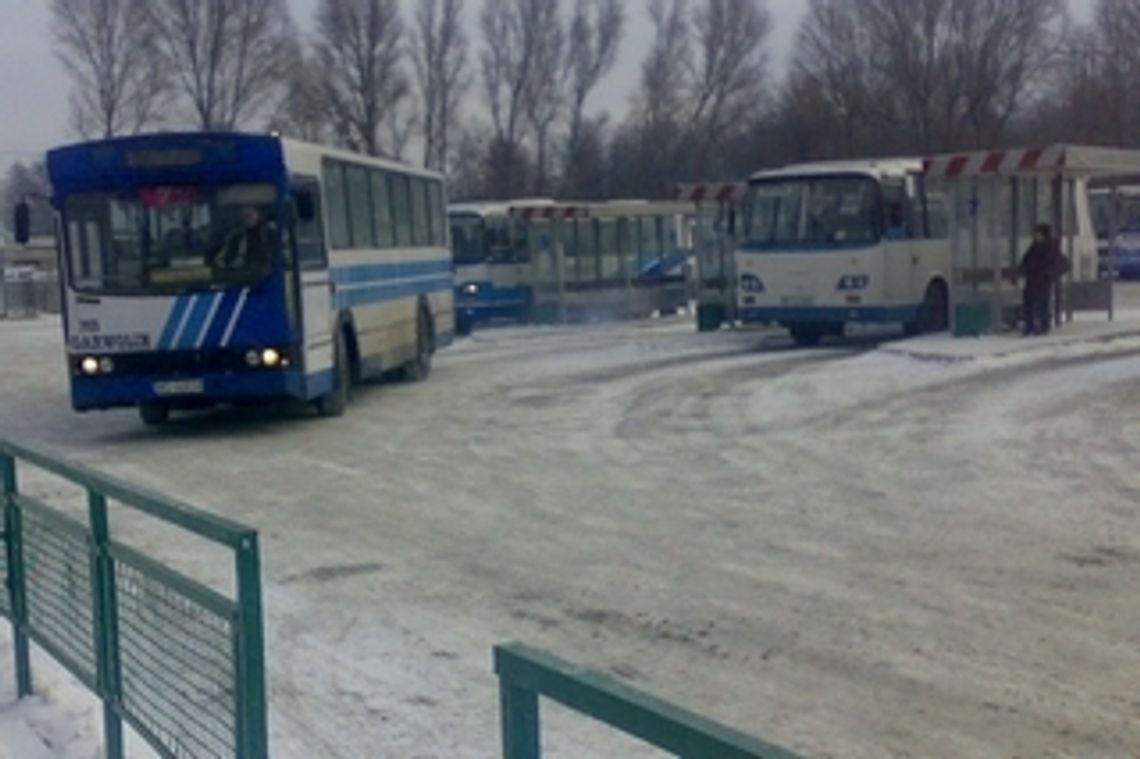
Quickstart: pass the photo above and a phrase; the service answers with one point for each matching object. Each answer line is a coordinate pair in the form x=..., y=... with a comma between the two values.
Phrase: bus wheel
x=934, y=314
x=154, y=414
x=806, y=335
x=418, y=369
x=334, y=402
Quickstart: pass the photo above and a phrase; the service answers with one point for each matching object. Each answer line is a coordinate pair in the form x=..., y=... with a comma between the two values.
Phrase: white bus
x=822, y=246
x=205, y=269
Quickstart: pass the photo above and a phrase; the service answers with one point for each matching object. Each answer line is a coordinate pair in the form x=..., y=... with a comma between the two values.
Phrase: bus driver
x=247, y=247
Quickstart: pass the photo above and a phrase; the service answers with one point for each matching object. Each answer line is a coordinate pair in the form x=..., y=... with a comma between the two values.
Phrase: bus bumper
x=829, y=314
x=95, y=393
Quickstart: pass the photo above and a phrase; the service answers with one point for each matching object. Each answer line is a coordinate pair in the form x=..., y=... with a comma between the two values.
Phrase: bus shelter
x=996, y=198
x=605, y=260
x=714, y=239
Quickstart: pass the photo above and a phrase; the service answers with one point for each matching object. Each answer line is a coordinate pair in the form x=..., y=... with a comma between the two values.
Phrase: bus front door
x=315, y=284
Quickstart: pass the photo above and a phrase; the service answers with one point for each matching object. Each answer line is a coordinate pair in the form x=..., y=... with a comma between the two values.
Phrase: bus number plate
x=180, y=387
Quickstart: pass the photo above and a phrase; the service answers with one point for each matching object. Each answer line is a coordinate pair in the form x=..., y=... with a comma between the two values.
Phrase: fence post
x=519, y=709
x=253, y=737
x=17, y=590
x=106, y=625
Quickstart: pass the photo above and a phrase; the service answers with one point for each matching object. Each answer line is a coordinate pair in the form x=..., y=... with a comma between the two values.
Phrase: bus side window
x=310, y=237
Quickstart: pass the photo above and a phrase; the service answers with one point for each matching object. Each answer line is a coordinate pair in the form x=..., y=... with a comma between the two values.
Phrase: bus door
x=899, y=268
x=316, y=286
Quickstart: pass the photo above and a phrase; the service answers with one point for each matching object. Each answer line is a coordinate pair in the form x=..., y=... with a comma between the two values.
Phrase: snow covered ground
x=852, y=551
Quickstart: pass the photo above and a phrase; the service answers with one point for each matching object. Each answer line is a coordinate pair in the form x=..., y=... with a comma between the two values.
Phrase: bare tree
x=728, y=72
x=1001, y=50
x=507, y=61
x=663, y=72
x=546, y=83
x=441, y=56
x=107, y=47
x=230, y=56
x=359, y=48
x=303, y=111
x=926, y=75
x=595, y=38
x=1113, y=43
x=833, y=78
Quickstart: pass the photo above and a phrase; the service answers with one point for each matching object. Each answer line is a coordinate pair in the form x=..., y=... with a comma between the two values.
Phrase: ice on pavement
x=852, y=551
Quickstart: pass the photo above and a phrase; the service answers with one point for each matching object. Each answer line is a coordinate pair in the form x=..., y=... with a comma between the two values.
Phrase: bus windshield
x=810, y=212
x=475, y=239
x=468, y=238
x=164, y=239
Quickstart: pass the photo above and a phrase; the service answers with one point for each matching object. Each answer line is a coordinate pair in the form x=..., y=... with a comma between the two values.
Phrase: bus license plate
x=180, y=387
x=798, y=300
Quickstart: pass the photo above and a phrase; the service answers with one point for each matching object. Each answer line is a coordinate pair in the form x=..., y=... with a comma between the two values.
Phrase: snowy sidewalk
x=1085, y=330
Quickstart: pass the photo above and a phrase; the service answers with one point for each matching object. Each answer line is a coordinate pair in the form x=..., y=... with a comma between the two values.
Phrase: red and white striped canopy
x=714, y=192
x=1067, y=160
x=550, y=212
x=998, y=162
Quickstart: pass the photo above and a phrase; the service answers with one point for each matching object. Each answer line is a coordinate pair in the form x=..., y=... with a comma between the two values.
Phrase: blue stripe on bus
x=222, y=318
x=380, y=292
x=172, y=322
x=362, y=273
x=189, y=337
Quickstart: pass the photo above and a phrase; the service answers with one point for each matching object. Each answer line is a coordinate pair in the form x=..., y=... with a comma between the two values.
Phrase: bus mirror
x=23, y=225
x=306, y=205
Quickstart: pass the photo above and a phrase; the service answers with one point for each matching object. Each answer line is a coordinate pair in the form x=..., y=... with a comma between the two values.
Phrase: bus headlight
x=471, y=288
x=271, y=357
x=253, y=358
x=106, y=365
x=89, y=366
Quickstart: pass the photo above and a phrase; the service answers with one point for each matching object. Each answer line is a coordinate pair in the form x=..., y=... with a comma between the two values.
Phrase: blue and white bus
x=492, y=264
x=826, y=245
x=205, y=269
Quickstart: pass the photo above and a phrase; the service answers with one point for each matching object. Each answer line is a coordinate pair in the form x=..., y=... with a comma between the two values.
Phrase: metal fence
x=180, y=662
x=26, y=298
x=525, y=674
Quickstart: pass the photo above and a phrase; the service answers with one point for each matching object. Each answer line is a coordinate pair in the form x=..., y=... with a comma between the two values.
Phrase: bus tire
x=805, y=335
x=418, y=369
x=154, y=414
x=934, y=313
x=334, y=402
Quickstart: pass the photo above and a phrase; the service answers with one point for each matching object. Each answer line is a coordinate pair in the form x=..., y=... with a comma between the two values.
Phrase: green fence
x=178, y=661
x=525, y=674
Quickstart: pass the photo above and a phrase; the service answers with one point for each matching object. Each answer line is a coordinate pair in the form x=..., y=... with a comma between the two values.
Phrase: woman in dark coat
x=1041, y=267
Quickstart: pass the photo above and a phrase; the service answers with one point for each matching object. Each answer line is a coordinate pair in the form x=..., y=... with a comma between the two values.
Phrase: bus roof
x=598, y=209
x=494, y=207
x=876, y=168
x=193, y=157
x=311, y=150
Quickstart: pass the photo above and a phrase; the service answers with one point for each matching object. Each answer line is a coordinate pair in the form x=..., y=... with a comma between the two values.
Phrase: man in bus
x=249, y=246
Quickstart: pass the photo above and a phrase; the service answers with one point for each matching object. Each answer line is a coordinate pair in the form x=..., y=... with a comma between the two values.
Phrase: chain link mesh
x=177, y=660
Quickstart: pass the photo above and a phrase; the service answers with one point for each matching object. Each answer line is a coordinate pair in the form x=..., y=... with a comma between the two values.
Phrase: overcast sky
x=34, y=87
